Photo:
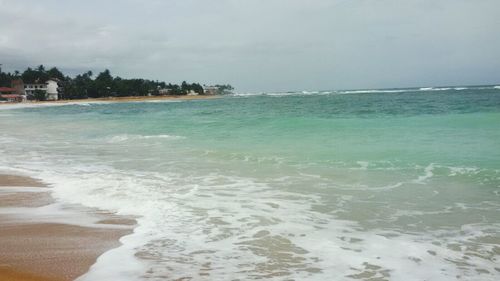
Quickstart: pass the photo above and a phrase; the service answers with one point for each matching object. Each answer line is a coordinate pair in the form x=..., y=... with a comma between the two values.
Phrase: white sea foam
x=363, y=164
x=318, y=93
x=245, y=229
x=346, y=92
x=434, y=89
x=161, y=101
x=454, y=171
x=426, y=89
x=165, y=230
x=310, y=92
x=428, y=174
x=127, y=137
x=373, y=91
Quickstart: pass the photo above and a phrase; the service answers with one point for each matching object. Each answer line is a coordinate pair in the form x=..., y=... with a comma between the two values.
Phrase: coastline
x=116, y=99
x=50, y=249
x=134, y=98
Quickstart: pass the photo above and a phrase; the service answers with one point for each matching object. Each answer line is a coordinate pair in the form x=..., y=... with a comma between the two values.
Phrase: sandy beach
x=134, y=98
x=47, y=250
x=115, y=99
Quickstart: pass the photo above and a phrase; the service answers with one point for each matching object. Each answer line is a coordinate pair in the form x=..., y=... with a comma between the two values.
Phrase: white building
x=165, y=91
x=52, y=93
x=211, y=90
x=50, y=88
x=30, y=89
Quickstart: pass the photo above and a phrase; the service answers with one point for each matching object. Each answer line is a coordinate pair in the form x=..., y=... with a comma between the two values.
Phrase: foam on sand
x=242, y=230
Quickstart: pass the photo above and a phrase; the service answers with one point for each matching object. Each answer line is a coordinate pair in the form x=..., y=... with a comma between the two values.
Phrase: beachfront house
x=10, y=95
x=50, y=88
x=18, y=84
x=164, y=92
x=211, y=90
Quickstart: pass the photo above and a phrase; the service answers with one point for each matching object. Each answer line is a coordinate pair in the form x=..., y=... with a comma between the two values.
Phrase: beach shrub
x=39, y=95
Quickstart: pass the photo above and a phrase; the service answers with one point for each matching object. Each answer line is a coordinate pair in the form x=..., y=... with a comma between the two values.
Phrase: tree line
x=88, y=85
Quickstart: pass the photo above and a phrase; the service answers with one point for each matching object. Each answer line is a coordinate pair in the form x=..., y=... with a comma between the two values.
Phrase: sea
x=394, y=184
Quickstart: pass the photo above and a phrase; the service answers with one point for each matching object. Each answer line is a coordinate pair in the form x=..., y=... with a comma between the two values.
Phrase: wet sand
x=15, y=180
x=44, y=251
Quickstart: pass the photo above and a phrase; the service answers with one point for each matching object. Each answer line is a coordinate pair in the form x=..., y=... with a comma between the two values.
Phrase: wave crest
x=126, y=137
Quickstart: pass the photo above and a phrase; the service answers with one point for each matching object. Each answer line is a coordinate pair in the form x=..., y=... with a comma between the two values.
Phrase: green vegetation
x=85, y=85
x=225, y=88
x=39, y=95
x=6, y=78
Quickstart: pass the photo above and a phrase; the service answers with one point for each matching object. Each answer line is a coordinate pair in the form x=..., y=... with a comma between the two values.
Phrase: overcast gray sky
x=261, y=45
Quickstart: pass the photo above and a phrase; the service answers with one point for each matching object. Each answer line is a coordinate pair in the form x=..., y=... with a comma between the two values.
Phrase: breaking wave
x=363, y=91
x=126, y=137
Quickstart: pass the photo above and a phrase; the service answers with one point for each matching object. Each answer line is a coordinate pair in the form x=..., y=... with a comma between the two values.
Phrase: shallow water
x=362, y=185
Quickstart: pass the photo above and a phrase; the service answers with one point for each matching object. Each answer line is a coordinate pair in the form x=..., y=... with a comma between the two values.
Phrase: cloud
x=261, y=45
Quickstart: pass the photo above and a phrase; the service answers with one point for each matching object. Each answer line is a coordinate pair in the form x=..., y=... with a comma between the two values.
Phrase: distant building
x=50, y=88
x=18, y=84
x=164, y=91
x=30, y=88
x=211, y=90
x=10, y=95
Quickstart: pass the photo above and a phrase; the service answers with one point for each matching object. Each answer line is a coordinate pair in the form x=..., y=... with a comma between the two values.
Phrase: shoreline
x=48, y=248
x=116, y=99
x=134, y=98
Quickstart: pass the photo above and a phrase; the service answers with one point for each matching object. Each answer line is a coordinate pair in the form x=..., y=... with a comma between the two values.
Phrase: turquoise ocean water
x=399, y=184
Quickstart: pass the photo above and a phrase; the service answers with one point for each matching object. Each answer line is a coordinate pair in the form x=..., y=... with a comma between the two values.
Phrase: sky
x=260, y=45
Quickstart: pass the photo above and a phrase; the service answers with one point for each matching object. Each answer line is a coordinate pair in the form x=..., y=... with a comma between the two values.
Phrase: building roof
x=7, y=89
x=11, y=96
